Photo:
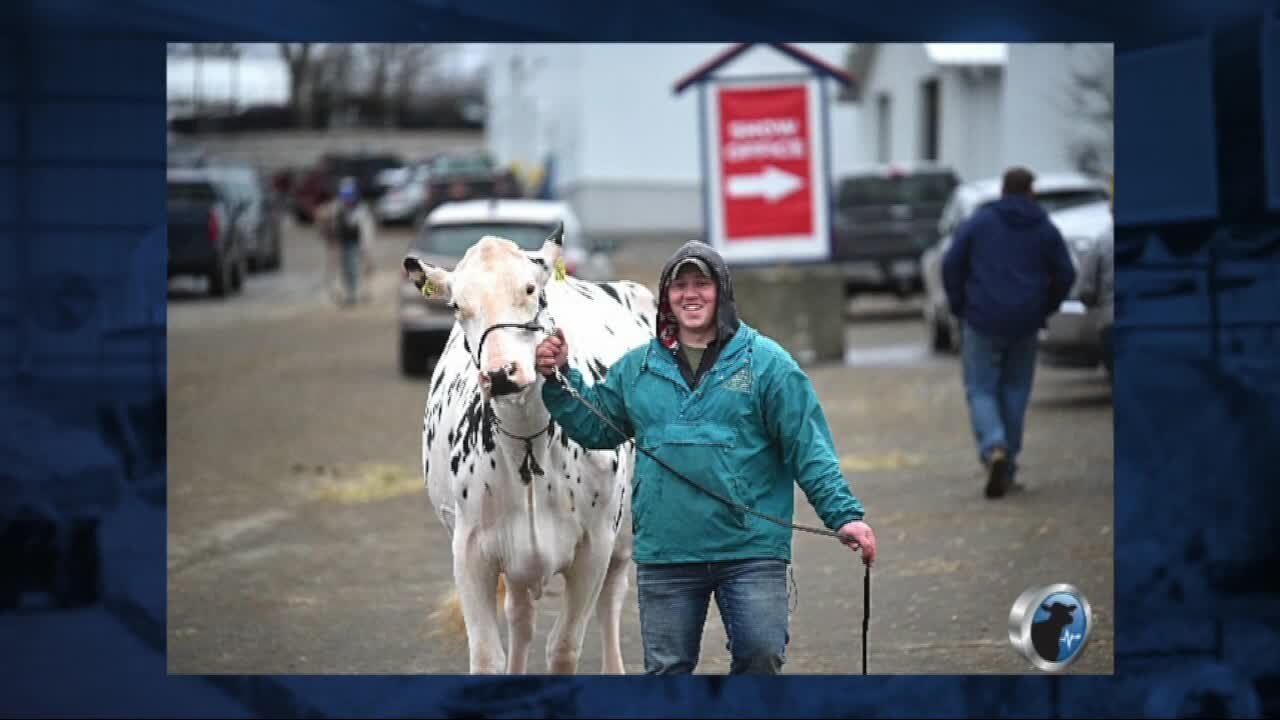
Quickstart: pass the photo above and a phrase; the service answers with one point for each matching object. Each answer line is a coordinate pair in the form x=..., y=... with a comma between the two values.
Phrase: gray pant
x=351, y=270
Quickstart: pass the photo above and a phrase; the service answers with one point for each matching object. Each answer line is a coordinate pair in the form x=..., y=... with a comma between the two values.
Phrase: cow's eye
x=528, y=289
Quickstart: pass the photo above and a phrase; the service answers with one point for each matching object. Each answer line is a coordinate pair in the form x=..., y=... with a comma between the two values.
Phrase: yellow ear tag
x=428, y=289
x=559, y=269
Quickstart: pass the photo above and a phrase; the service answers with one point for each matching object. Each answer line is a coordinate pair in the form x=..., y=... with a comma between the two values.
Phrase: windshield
x=455, y=240
x=904, y=190
x=1063, y=199
x=1055, y=200
x=462, y=165
x=191, y=192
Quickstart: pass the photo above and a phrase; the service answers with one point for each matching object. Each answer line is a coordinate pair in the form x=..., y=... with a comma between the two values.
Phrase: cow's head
x=496, y=284
x=1058, y=613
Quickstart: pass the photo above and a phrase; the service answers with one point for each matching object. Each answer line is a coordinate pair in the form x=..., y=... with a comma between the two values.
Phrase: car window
x=1054, y=200
x=1063, y=199
x=462, y=165
x=455, y=240
x=191, y=193
x=916, y=189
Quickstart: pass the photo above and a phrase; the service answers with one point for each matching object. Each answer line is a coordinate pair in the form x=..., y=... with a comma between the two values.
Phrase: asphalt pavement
x=301, y=540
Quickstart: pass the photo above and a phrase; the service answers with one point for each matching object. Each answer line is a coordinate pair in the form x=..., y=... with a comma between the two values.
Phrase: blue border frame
x=1270, y=42
x=1208, y=644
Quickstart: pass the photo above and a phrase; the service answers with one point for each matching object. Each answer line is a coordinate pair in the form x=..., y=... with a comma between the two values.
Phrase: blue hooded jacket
x=1008, y=268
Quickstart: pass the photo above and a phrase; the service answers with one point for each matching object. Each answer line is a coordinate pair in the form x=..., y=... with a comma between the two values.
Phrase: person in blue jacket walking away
x=1007, y=270
x=729, y=408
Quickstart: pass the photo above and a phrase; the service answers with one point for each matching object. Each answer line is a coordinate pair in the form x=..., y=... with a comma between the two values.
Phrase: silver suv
x=450, y=230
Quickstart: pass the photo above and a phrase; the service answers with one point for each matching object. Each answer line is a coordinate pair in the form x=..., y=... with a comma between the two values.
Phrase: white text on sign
x=764, y=139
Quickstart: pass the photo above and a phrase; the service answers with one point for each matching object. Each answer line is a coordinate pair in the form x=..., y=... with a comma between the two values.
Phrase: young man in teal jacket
x=730, y=409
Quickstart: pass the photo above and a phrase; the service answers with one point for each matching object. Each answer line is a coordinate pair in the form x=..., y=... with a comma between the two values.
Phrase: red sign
x=766, y=185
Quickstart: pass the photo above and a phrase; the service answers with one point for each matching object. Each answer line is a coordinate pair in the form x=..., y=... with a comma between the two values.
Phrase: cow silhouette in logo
x=1045, y=633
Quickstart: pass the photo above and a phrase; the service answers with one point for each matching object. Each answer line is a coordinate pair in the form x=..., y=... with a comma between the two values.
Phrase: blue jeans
x=998, y=374
x=351, y=256
x=751, y=595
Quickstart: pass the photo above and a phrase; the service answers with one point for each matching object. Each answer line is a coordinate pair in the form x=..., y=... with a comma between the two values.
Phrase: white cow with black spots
x=520, y=499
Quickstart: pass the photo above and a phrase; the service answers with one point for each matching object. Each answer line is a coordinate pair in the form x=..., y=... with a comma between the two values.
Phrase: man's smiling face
x=692, y=296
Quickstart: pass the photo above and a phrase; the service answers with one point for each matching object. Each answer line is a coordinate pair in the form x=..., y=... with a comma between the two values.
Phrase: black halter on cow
x=519, y=499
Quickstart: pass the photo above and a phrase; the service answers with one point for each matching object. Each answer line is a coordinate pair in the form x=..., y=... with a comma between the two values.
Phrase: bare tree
x=415, y=64
x=1091, y=101
x=382, y=58
x=298, y=58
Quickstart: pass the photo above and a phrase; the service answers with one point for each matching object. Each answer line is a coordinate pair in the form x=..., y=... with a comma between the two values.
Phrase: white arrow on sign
x=771, y=183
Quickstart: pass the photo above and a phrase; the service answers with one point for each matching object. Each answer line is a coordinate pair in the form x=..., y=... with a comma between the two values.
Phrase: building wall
x=972, y=120
x=897, y=71
x=1039, y=120
x=626, y=147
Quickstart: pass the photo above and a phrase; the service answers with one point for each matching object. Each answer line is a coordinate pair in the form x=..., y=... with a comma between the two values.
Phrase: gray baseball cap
x=702, y=266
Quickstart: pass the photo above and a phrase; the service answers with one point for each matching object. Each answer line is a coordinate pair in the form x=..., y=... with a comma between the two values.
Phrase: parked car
x=258, y=219
x=455, y=177
x=452, y=228
x=1056, y=192
x=406, y=196
x=1072, y=336
x=319, y=185
x=884, y=217
x=203, y=235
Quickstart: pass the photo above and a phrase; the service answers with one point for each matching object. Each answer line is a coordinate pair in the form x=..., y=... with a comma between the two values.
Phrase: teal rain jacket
x=746, y=424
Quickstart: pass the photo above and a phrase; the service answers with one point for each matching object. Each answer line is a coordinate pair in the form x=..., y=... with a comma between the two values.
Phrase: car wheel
x=238, y=272
x=414, y=361
x=277, y=255
x=220, y=278
x=940, y=335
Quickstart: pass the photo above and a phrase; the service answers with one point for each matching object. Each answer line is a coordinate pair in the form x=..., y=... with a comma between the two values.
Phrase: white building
x=625, y=146
x=980, y=108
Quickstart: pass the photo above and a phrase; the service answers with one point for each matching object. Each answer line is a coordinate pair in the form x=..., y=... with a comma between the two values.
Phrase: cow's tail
x=447, y=623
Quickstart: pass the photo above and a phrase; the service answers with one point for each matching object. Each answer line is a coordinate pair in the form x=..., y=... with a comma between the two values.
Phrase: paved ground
x=300, y=539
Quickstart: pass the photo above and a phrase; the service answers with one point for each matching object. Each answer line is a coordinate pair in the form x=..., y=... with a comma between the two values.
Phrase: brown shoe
x=997, y=473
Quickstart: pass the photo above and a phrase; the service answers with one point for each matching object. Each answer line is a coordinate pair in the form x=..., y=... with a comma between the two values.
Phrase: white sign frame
x=812, y=247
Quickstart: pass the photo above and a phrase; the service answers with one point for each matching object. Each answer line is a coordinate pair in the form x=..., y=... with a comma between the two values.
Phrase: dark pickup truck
x=883, y=219
x=203, y=235
x=455, y=177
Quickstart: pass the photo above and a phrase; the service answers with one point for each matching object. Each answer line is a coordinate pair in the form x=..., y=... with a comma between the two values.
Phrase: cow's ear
x=552, y=255
x=432, y=281
x=557, y=235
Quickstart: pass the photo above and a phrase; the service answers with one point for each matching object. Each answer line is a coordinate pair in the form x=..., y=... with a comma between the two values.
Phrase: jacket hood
x=726, y=308
x=1019, y=211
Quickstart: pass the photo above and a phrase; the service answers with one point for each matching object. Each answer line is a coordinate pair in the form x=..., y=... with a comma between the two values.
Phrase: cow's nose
x=500, y=381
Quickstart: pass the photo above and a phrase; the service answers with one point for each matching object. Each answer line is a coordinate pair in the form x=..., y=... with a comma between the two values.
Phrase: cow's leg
x=609, y=614
x=520, y=622
x=582, y=581
x=477, y=580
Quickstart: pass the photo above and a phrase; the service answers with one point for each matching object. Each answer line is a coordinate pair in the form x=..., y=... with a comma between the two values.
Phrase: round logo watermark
x=1050, y=625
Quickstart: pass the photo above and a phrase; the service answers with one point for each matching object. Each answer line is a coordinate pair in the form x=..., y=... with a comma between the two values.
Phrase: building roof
x=974, y=54
x=863, y=58
x=817, y=64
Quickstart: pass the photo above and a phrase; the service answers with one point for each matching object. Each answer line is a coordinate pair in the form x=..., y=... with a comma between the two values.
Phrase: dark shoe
x=997, y=473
